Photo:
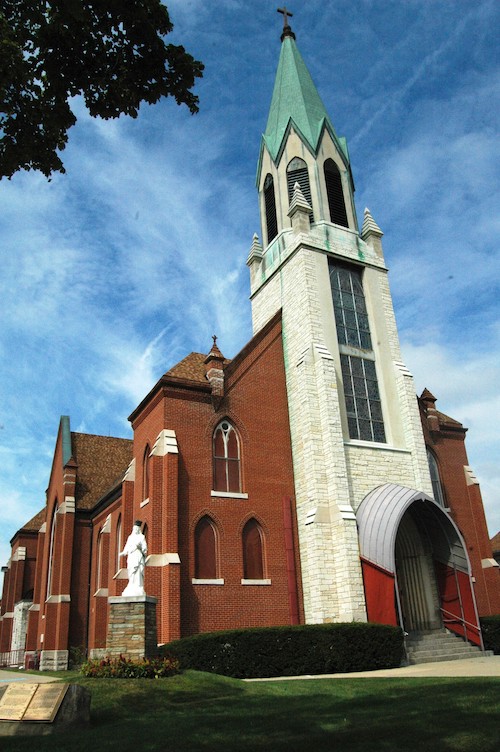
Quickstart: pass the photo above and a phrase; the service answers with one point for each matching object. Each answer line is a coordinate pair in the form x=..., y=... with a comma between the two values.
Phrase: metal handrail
x=465, y=624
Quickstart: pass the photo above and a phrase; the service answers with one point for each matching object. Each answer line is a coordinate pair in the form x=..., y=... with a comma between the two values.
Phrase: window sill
x=256, y=582
x=196, y=581
x=374, y=445
x=58, y=599
x=229, y=494
x=101, y=593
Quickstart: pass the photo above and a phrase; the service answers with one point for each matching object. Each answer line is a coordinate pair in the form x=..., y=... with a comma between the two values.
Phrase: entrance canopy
x=380, y=514
x=378, y=519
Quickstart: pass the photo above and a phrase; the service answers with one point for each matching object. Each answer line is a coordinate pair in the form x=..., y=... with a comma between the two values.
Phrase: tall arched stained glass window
x=146, y=471
x=118, y=541
x=226, y=459
x=253, y=551
x=437, y=489
x=205, y=550
x=50, y=569
x=357, y=358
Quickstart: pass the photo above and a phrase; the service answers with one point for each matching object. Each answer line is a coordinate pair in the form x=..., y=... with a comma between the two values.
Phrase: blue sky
x=114, y=271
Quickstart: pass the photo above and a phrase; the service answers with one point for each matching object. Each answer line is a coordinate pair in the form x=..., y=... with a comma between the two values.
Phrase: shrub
x=292, y=651
x=126, y=668
x=77, y=656
x=490, y=626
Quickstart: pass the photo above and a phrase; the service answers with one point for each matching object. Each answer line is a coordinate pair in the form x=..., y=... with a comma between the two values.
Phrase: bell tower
x=353, y=412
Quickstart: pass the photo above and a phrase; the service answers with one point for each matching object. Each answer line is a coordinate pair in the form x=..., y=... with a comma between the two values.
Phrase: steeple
x=299, y=145
x=296, y=101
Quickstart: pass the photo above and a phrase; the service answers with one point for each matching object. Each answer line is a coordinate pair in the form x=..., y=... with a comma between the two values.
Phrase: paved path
x=469, y=667
x=9, y=677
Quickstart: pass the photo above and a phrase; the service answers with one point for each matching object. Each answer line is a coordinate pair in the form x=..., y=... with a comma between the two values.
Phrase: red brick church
x=301, y=481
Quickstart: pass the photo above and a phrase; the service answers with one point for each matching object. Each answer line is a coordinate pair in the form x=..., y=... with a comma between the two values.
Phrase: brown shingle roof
x=102, y=462
x=192, y=367
x=495, y=543
x=446, y=420
x=37, y=521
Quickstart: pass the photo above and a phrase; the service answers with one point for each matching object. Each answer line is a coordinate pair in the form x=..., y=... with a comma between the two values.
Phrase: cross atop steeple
x=285, y=13
x=287, y=31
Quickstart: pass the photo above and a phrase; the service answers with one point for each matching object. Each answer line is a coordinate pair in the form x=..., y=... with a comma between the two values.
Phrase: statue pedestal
x=132, y=627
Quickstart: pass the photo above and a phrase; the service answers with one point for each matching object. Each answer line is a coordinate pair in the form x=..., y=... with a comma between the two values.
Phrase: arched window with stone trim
x=50, y=567
x=146, y=472
x=100, y=561
x=118, y=541
x=296, y=172
x=270, y=207
x=226, y=459
x=437, y=488
x=335, y=193
x=205, y=549
x=253, y=551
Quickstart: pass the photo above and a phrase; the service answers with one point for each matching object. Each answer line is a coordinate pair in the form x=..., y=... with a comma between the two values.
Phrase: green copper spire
x=296, y=99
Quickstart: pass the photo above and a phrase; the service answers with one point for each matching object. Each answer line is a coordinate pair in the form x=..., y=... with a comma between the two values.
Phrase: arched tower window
x=336, y=203
x=253, y=551
x=146, y=469
x=437, y=489
x=270, y=205
x=357, y=358
x=226, y=459
x=205, y=550
x=296, y=172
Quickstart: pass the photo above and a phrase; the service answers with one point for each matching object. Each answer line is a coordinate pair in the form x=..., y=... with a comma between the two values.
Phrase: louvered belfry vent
x=296, y=172
x=270, y=205
x=335, y=194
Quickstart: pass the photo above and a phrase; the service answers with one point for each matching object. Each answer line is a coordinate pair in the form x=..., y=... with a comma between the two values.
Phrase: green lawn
x=197, y=711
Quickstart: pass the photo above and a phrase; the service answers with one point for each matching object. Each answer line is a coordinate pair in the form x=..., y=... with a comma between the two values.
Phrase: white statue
x=135, y=550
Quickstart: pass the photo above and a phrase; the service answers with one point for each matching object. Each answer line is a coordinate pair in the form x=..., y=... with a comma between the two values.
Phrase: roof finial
x=214, y=337
x=287, y=31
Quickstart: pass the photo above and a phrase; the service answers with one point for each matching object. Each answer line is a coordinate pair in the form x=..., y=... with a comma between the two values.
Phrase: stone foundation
x=132, y=627
x=54, y=660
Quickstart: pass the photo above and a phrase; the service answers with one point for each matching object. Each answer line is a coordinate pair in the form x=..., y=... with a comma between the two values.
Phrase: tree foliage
x=112, y=52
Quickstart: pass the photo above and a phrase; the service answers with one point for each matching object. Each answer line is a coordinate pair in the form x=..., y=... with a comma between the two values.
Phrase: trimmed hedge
x=291, y=651
x=490, y=626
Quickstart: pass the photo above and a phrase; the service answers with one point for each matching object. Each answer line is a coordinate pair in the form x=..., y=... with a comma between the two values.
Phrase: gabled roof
x=32, y=526
x=36, y=522
x=192, y=368
x=296, y=101
x=495, y=543
x=102, y=462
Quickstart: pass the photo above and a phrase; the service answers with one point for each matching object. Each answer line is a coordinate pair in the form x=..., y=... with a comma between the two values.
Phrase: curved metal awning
x=378, y=518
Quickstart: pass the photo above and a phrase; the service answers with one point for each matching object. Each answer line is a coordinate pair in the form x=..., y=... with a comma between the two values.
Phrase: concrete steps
x=440, y=645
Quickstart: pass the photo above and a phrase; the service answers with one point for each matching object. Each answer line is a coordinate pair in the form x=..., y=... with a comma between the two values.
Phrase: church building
x=302, y=481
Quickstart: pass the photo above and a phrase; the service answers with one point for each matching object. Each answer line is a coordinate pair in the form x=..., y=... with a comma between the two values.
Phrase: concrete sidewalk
x=470, y=667
x=10, y=677
x=489, y=666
